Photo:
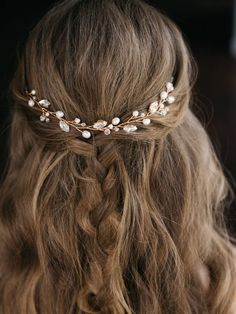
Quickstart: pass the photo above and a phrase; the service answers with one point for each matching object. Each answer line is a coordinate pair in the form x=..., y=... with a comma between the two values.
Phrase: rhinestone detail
x=156, y=107
x=100, y=124
x=64, y=126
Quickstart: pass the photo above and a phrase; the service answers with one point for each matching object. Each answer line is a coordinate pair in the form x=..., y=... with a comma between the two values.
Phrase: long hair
x=114, y=224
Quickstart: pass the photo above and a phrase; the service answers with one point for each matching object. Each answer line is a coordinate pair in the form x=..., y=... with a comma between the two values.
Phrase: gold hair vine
x=157, y=107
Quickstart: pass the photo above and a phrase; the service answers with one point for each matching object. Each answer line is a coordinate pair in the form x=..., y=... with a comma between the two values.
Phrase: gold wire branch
x=156, y=107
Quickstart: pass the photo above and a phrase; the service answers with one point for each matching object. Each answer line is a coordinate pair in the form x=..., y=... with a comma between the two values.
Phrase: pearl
x=47, y=120
x=170, y=99
x=169, y=86
x=107, y=131
x=115, y=121
x=83, y=124
x=135, y=113
x=77, y=120
x=116, y=128
x=59, y=114
x=164, y=95
x=33, y=92
x=142, y=114
x=163, y=112
x=110, y=126
x=86, y=134
x=42, y=118
x=31, y=103
x=64, y=126
x=146, y=121
x=47, y=114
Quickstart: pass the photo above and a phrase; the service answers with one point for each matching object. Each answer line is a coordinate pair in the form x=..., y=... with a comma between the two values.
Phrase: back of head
x=118, y=223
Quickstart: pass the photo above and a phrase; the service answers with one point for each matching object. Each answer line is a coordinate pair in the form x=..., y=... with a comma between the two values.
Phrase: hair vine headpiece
x=157, y=107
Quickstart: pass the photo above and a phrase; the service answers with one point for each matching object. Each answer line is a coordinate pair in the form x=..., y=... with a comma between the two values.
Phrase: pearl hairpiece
x=157, y=107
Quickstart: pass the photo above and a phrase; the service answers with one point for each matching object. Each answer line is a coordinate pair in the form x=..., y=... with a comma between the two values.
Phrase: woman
x=114, y=196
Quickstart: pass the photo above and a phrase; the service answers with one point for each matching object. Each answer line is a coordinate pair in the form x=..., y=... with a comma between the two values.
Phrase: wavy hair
x=116, y=224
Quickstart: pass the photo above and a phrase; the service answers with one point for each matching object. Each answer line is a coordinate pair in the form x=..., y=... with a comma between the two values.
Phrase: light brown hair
x=114, y=224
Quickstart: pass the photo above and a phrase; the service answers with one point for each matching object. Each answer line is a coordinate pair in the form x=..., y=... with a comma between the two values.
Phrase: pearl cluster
x=156, y=107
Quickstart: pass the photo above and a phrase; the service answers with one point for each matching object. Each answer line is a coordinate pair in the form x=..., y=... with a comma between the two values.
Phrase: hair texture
x=113, y=224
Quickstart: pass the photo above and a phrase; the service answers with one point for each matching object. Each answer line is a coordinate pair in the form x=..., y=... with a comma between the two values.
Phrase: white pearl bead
x=77, y=120
x=31, y=103
x=86, y=134
x=47, y=120
x=115, y=121
x=170, y=99
x=146, y=121
x=169, y=86
x=42, y=118
x=164, y=95
x=59, y=114
x=47, y=114
x=135, y=113
x=107, y=131
x=33, y=92
x=163, y=112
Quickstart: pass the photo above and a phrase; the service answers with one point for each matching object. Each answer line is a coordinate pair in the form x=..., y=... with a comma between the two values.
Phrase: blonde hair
x=115, y=224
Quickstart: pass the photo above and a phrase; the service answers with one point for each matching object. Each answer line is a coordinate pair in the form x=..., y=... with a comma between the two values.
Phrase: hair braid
x=98, y=215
